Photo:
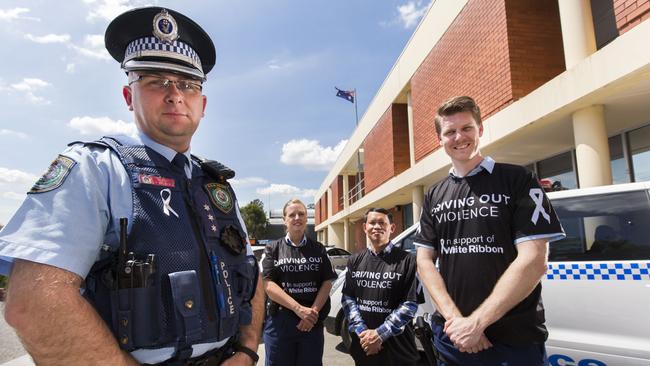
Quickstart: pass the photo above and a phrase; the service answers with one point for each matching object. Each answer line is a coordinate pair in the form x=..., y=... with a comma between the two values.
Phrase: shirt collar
x=302, y=242
x=167, y=152
x=486, y=164
x=387, y=249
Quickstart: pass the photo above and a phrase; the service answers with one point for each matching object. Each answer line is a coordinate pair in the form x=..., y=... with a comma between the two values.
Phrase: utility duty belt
x=211, y=358
x=273, y=308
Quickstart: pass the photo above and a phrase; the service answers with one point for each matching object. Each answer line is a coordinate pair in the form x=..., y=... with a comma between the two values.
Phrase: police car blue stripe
x=619, y=271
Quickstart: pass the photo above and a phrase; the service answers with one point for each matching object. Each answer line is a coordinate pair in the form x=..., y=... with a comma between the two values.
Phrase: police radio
x=133, y=272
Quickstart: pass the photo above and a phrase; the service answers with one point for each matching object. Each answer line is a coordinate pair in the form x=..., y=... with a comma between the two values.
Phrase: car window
x=337, y=251
x=407, y=242
x=613, y=226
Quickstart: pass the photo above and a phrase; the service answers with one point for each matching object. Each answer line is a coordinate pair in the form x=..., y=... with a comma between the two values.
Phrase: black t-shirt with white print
x=474, y=223
x=380, y=283
x=298, y=270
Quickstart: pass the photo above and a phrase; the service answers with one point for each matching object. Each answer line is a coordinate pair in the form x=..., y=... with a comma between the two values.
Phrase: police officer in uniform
x=151, y=234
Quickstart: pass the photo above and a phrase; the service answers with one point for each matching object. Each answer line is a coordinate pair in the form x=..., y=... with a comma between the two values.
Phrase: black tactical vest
x=194, y=280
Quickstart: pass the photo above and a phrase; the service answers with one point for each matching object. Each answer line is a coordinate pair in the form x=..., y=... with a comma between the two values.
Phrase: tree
x=311, y=206
x=255, y=218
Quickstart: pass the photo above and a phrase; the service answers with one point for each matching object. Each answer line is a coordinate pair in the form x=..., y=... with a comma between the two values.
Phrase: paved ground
x=12, y=352
x=11, y=347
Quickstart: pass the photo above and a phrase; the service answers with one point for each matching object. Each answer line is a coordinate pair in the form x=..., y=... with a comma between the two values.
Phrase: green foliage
x=255, y=218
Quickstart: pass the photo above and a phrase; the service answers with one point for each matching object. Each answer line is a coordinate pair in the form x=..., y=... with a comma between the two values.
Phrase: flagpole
x=356, y=114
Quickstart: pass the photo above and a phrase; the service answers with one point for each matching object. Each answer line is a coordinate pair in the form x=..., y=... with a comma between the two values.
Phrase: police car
x=596, y=291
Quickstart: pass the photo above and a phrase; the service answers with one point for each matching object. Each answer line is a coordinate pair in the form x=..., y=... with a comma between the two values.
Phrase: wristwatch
x=252, y=354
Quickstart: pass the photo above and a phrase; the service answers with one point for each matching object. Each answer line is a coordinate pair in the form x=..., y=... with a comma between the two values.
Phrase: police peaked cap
x=155, y=38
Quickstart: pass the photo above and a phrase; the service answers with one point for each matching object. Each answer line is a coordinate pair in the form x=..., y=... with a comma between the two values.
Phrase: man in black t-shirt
x=379, y=297
x=489, y=225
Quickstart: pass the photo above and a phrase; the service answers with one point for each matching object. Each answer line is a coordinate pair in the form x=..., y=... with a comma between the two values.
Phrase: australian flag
x=345, y=94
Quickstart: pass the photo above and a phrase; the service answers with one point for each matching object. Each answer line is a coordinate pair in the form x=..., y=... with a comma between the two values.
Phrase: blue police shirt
x=67, y=226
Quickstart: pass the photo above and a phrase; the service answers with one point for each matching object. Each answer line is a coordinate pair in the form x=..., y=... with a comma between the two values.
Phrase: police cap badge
x=155, y=38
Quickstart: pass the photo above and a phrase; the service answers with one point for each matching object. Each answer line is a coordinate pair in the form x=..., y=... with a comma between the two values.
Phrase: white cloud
x=93, y=44
x=411, y=12
x=109, y=9
x=285, y=190
x=28, y=87
x=6, y=132
x=15, y=13
x=70, y=68
x=48, y=38
x=248, y=181
x=102, y=126
x=94, y=40
x=30, y=84
x=13, y=196
x=93, y=47
x=310, y=154
x=276, y=64
x=15, y=176
x=96, y=53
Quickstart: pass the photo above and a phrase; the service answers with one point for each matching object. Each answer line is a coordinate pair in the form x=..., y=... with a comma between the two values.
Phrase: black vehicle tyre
x=345, y=334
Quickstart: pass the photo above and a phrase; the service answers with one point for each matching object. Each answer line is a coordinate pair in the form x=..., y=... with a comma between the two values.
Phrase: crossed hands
x=466, y=335
x=370, y=342
x=308, y=318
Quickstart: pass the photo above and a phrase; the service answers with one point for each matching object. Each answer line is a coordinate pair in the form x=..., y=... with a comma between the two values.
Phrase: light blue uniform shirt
x=66, y=227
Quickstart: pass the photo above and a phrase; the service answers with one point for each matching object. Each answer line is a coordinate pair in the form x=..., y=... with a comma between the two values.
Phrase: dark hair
x=457, y=105
x=379, y=210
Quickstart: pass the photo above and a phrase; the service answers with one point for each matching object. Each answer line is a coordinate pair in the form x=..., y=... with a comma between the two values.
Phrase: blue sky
x=272, y=114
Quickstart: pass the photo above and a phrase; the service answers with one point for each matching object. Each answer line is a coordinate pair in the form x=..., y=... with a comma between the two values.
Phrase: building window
x=407, y=211
x=640, y=151
x=604, y=18
x=559, y=169
x=620, y=172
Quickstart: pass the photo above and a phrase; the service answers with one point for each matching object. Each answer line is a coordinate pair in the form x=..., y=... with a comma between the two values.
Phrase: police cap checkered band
x=153, y=47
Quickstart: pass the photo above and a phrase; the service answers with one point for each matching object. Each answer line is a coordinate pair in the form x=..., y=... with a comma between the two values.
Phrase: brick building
x=563, y=87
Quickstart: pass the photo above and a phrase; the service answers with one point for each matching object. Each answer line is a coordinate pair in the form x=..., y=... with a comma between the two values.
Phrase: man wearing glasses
x=130, y=249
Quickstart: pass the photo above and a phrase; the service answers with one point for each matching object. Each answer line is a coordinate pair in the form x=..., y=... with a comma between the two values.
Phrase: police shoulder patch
x=220, y=196
x=54, y=176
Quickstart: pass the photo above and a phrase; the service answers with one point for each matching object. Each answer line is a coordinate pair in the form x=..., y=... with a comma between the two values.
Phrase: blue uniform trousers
x=497, y=355
x=285, y=345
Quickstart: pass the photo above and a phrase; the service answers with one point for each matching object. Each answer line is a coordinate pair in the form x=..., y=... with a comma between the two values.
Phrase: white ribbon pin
x=538, y=197
x=166, y=200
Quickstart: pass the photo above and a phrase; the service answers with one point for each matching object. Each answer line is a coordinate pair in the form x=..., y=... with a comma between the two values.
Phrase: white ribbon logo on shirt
x=538, y=197
x=167, y=198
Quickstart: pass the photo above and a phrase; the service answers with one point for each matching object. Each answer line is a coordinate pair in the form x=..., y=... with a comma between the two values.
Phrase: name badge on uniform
x=220, y=196
x=54, y=176
x=155, y=180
